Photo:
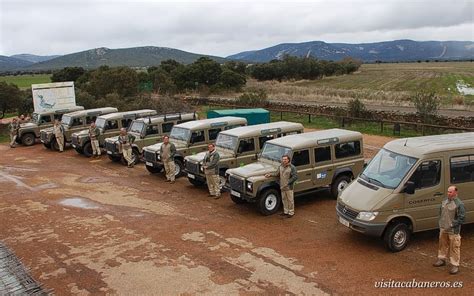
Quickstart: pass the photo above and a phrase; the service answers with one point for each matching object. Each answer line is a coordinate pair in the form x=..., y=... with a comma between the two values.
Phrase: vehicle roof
x=118, y=115
x=174, y=116
x=317, y=138
x=65, y=110
x=86, y=112
x=420, y=146
x=210, y=122
x=264, y=128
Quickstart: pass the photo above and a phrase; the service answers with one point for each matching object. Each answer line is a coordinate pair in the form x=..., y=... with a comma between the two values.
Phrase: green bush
x=356, y=108
x=253, y=98
x=427, y=105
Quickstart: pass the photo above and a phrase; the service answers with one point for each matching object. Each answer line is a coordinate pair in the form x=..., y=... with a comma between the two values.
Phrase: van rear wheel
x=396, y=237
x=269, y=202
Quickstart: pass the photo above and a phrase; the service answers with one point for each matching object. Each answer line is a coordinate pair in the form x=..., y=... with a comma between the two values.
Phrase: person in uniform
x=94, y=133
x=23, y=119
x=167, y=152
x=14, y=127
x=288, y=176
x=451, y=217
x=125, y=141
x=211, y=170
x=58, y=131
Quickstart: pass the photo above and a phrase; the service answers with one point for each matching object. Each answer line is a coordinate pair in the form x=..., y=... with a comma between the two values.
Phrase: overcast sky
x=223, y=27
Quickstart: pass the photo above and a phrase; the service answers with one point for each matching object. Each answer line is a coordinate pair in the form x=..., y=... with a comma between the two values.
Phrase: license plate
x=149, y=163
x=109, y=152
x=235, y=193
x=191, y=176
x=344, y=221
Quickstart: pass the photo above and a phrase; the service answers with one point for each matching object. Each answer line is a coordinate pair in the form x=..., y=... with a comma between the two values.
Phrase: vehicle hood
x=83, y=133
x=47, y=130
x=254, y=169
x=362, y=198
x=28, y=125
x=199, y=157
x=112, y=139
x=156, y=147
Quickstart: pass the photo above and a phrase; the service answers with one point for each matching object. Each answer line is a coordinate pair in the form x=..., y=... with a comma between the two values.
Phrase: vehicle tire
x=47, y=145
x=28, y=139
x=87, y=149
x=196, y=183
x=115, y=158
x=396, y=237
x=179, y=168
x=237, y=200
x=222, y=179
x=339, y=184
x=55, y=145
x=154, y=170
x=79, y=150
x=269, y=202
x=135, y=156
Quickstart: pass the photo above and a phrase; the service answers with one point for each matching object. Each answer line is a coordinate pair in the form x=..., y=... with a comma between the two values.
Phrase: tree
x=169, y=65
x=427, y=105
x=205, y=71
x=68, y=74
x=105, y=80
x=10, y=97
x=231, y=80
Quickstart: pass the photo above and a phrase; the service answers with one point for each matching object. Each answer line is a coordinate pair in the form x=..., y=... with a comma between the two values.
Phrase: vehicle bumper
x=154, y=165
x=367, y=228
x=242, y=195
x=196, y=177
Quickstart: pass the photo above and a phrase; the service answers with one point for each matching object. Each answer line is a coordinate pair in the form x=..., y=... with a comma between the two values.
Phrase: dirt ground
x=87, y=226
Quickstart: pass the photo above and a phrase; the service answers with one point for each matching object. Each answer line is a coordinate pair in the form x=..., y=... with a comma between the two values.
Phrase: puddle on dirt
x=79, y=202
x=92, y=180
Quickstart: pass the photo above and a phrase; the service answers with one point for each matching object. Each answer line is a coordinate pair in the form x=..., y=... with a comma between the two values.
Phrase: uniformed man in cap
x=167, y=152
x=125, y=141
x=14, y=127
x=211, y=170
x=94, y=133
x=58, y=131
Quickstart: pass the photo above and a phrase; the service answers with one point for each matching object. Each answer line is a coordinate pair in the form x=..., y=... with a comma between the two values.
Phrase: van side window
x=46, y=118
x=166, y=127
x=322, y=154
x=300, y=158
x=197, y=136
x=427, y=174
x=126, y=122
x=77, y=121
x=90, y=119
x=347, y=149
x=152, y=130
x=213, y=133
x=56, y=116
x=246, y=145
x=263, y=139
x=111, y=124
x=462, y=169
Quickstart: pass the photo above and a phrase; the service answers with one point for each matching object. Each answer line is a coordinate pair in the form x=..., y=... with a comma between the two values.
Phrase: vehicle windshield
x=136, y=127
x=387, y=169
x=100, y=122
x=35, y=118
x=66, y=120
x=181, y=134
x=226, y=142
x=274, y=152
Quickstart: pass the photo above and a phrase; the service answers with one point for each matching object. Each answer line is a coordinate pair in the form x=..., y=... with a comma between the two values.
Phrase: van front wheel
x=396, y=237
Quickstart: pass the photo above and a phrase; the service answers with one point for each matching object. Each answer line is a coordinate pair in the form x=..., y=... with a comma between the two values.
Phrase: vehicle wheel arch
x=343, y=171
x=269, y=185
x=399, y=219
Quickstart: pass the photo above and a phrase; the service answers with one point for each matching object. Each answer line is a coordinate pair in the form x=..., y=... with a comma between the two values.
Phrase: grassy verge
x=25, y=81
x=4, y=138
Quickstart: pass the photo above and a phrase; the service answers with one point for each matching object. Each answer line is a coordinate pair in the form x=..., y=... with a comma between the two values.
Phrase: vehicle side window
x=213, y=133
x=246, y=145
x=263, y=139
x=462, y=169
x=77, y=121
x=90, y=119
x=111, y=124
x=57, y=116
x=427, y=174
x=322, y=154
x=197, y=136
x=151, y=130
x=347, y=149
x=300, y=158
x=166, y=127
x=126, y=122
x=45, y=119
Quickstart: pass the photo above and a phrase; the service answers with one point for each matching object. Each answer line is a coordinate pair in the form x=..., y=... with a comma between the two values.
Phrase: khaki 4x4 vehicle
x=146, y=131
x=189, y=138
x=30, y=131
x=238, y=147
x=109, y=126
x=73, y=122
x=401, y=189
x=322, y=158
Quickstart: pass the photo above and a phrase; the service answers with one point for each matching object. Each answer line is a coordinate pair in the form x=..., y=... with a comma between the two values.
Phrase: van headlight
x=249, y=186
x=367, y=216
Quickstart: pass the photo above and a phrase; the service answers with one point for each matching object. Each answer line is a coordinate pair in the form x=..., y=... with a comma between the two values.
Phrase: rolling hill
x=9, y=63
x=33, y=58
x=390, y=51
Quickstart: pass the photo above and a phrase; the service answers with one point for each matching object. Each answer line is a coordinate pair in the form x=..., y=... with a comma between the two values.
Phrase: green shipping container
x=253, y=116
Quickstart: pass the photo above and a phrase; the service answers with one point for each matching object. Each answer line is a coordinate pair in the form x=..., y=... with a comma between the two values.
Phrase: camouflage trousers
x=95, y=147
x=449, y=244
x=170, y=169
x=60, y=141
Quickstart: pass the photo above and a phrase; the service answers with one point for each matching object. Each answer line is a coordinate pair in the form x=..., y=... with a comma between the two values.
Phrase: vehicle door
x=111, y=129
x=323, y=169
x=246, y=151
x=461, y=172
x=301, y=160
x=197, y=141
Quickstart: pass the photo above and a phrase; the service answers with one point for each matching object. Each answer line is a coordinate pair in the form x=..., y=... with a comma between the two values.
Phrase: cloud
x=222, y=27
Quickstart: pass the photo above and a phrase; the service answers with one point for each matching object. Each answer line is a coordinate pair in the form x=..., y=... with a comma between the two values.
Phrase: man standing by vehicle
x=167, y=152
x=288, y=176
x=451, y=217
x=94, y=133
x=211, y=170
x=14, y=127
x=58, y=131
x=125, y=141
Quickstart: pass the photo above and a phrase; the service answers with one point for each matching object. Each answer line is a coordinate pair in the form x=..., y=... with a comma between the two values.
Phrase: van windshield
x=226, y=142
x=66, y=120
x=274, y=152
x=100, y=122
x=387, y=169
x=181, y=134
x=35, y=118
x=136, y=127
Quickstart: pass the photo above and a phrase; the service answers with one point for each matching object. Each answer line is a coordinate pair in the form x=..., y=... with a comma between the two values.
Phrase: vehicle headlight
x=249, y=186
x=158, y=156
x=201, y=168
x=367, y=216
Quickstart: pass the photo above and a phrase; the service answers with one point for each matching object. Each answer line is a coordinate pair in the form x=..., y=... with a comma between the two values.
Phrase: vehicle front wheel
x=47, y=145
x=28, y=139
x=196, y=183
x=339, y=185
x=114, y=158
x=154, y=170
x=87, y=150
x=179, y=171
x=55, y=145
x=237, y=200
x=270, y=201
x=396, y=237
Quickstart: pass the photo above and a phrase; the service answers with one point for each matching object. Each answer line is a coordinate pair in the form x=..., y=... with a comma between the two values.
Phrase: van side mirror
x=409, y=187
